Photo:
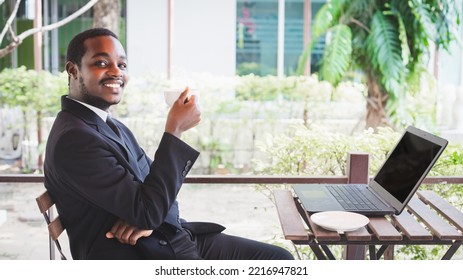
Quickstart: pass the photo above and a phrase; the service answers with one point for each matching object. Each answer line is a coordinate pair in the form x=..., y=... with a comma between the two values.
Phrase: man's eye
x=101, y=63
x=123, y=66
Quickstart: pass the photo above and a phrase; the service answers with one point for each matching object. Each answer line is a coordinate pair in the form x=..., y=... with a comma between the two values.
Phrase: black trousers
x=218, y=246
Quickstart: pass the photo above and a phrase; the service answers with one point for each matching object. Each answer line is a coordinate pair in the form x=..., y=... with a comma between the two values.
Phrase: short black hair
x=76, y=49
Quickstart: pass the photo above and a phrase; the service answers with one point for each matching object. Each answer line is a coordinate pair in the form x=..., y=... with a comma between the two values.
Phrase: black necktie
x=113, y=126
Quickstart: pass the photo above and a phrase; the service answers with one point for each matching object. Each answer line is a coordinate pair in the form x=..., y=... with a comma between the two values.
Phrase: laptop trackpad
x=320, y=200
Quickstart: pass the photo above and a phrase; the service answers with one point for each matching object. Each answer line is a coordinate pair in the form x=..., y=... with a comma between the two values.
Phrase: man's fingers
x=139, y=234
x=134, y=237
x=127, y=235
x=184, y=94
x=192, y=98
x=114, y=229
x=120, y=231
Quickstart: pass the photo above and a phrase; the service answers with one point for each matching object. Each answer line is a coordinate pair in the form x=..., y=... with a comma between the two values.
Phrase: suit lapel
x=93, y=120
x=122, y=141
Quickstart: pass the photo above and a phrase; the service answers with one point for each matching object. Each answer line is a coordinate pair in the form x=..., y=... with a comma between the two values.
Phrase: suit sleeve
x=87, y=164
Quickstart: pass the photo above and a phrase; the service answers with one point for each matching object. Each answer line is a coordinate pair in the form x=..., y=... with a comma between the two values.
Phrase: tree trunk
x=107, y=14
x=376, y=102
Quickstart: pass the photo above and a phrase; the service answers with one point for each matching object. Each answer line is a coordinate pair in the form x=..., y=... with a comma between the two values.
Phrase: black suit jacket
x=95, y=178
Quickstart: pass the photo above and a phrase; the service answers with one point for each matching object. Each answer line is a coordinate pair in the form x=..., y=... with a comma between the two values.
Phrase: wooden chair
x=55, y=227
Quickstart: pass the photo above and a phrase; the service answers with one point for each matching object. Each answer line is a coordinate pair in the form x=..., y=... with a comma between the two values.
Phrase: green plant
x=256, y=88
x=215, y=149
x=389, y=41
x=36, y=93
x=315, y=151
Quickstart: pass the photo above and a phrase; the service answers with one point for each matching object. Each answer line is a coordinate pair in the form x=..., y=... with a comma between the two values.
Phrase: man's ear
x=71, y=69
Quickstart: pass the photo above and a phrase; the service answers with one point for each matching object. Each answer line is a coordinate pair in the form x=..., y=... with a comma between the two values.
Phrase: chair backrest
x=55, y=227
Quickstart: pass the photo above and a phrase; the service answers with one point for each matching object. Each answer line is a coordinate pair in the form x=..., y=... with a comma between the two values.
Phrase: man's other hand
x=127, y=234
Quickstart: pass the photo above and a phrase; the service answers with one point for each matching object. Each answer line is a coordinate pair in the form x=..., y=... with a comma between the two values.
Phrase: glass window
x=256, y=37
x=294, y=34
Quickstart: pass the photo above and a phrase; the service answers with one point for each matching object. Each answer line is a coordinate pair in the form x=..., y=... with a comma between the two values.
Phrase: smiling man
x=115, y=202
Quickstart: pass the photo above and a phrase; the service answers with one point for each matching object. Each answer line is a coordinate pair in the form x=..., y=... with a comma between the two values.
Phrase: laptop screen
x=406, y=165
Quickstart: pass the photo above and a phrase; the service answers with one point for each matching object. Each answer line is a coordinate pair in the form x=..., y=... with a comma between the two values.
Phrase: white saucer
x=340, y=221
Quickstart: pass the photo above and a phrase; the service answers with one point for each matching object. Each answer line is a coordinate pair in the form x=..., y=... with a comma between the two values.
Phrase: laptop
x=391, y=188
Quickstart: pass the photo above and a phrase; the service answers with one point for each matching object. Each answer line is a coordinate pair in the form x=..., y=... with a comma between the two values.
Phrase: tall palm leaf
x=385, y=52
x=337, y=55
x=389, y=39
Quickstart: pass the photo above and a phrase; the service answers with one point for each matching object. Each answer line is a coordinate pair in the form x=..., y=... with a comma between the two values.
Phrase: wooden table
x=427, y=220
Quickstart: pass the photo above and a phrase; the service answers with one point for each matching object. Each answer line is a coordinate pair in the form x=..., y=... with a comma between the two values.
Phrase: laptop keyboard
x=354, y=197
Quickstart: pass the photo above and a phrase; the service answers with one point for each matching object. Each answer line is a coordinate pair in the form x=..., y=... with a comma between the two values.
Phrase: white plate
x=340, y=220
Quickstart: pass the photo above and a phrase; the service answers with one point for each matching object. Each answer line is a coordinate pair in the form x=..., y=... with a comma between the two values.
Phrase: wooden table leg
x=389, y=253
x=354, y=252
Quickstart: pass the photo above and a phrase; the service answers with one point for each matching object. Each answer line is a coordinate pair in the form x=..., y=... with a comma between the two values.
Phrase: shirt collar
x=102, y=114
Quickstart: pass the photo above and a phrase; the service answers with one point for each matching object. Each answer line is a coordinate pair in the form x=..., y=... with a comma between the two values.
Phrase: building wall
x=146, y=36
x=204, y=36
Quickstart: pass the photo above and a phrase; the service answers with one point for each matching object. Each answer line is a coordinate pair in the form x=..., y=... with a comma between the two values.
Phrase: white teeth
x=112, y=85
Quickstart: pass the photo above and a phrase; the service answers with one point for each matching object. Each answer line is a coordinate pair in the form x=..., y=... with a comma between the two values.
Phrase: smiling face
x=102, y=75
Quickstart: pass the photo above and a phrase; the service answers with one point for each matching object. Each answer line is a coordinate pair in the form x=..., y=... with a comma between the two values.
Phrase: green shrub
x=37, y=94
x=315, y=151
x=271, y=88
x=32, y=90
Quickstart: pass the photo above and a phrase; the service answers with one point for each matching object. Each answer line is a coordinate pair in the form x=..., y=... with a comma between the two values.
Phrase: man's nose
x=114, y=71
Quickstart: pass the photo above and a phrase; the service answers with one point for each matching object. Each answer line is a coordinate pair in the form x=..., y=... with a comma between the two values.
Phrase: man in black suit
x=115, y=202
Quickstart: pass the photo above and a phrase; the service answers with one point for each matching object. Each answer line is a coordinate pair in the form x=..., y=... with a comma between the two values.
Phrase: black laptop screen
x=406, y=164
